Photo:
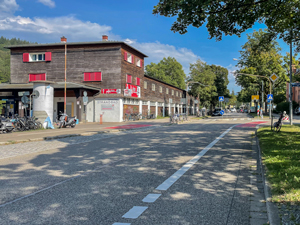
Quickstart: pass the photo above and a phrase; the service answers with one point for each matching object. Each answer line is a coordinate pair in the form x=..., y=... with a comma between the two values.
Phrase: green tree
x=233, y=99
x=5, y=57
x=203, y=73
x=259, y=60
x=167, y=70
x=233, y=17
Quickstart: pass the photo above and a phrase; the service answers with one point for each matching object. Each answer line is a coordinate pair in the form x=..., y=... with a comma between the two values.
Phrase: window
x=180, y=94
x=160, y=89
x=172, y=92
x=128, y=57
x=92, y=76
x=37, y=57
x=138, y=81
x=128, y=79
x=167, y=91
x=153, y=87
x=145, y=84
x=177, y=93
x=38, y=76
x=139, y=62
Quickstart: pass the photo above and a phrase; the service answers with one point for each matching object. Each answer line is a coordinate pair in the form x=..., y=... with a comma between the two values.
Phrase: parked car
x=216, y=113
x=297, y=110
x=233, y=110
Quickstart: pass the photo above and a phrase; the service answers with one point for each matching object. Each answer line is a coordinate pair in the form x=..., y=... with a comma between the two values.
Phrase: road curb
x=272, y=209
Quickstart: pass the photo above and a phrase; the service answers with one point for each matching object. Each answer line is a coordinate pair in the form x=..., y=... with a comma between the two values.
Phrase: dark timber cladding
x=80, y=59
x=158, y=96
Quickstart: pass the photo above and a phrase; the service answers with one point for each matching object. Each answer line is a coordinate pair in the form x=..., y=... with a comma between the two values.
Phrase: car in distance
x=233, y=110
x=216, y=112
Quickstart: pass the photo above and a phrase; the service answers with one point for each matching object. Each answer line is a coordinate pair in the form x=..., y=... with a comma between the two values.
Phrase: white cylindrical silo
x=44, y=102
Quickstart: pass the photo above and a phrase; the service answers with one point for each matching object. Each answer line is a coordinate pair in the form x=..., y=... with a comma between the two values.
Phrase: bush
x=285, y=106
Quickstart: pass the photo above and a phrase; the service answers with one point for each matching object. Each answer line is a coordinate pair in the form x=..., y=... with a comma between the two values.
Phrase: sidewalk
x=82, y=129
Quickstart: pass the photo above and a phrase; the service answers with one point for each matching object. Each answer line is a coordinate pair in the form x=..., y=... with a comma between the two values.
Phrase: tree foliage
x=167, y=70
x=233, y=99
x=5, y=57
x=259, y=60
x=233, y=17
x=213, y=82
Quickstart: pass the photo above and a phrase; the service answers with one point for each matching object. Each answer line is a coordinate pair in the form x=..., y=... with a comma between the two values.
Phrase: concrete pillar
x=43, y=104
x=170, y=112
x=156, y=109
x=164, y=110
x=148, y=113
x=121, y=109
x=174, y=108
x=140, y=106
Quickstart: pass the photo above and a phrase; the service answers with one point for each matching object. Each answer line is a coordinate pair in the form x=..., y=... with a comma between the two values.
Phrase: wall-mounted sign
x=135, y=91
x=6, y=94
x=107, y=107
x=110, y=91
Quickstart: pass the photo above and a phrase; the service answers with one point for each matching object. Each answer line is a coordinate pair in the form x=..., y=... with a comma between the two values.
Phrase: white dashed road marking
x=135, y=212
x=172, y=179
x=151, y=198
x=121, y=223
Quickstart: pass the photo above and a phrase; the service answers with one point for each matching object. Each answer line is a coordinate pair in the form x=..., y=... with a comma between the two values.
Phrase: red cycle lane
x=252, y=124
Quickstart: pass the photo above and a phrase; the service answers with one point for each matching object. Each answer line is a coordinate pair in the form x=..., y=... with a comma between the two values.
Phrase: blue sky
x=45, y=21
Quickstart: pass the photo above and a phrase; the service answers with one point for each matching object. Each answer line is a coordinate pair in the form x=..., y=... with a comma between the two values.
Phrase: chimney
x=104, y=37
x=63, y=39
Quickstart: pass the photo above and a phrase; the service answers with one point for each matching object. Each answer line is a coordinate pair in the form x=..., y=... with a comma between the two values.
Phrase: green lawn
x=281, y=155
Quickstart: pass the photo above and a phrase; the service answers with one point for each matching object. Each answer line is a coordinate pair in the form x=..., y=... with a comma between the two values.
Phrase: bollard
x=100, y=119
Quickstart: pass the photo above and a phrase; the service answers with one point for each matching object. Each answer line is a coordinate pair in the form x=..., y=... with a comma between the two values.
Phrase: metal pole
x=291, y=94
x=186, y=100
x=30, y=106
x=65, y=92
x=262, y=98
x=270, y=105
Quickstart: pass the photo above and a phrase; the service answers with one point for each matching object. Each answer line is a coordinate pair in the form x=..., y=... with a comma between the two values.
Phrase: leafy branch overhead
x=233, y=17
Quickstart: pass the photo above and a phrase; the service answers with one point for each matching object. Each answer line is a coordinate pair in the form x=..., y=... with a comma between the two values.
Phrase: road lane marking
x=172, y=179
x=151, y=198
x=135, y=212
x=121, y=223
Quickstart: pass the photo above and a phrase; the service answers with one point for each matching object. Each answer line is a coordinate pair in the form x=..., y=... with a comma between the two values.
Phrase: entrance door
x=60, y=107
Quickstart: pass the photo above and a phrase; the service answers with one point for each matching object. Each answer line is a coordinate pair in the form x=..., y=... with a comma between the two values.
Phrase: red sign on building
x=110, y=91
x=135, y=90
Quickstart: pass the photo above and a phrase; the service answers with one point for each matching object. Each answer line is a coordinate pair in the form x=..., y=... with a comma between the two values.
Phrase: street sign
x=222, y=112
x=21, y=93
x=269, y=100
x=226, y=99
x=255, y=97
x=273, y=77
x=24, y=99
x=35, y=94
x=270, y=97
x=221, y=98
x=85, y=99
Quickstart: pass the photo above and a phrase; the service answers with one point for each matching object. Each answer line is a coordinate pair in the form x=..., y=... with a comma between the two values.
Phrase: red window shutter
x=138, y=81
x=98, y=76
x=92, y=77
x=35, y=77
x=48, y=56
x=125, y=56
x=129, y=79
x=25, y=57
x=86, y=77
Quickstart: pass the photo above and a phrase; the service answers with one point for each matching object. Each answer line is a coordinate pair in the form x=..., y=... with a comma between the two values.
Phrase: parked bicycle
x=277, y=125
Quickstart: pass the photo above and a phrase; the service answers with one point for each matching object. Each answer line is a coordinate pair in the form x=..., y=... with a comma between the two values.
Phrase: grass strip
x=281, y=156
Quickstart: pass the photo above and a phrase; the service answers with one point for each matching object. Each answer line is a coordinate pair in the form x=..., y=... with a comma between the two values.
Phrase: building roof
x=163, y=82
x=57, y=85
x=72, y=43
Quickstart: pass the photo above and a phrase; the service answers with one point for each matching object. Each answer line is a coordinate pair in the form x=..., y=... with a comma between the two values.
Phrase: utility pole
x=291, y=73
x=262, y=98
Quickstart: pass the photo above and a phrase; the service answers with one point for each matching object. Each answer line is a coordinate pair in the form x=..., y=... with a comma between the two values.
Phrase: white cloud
x=49, y=3
x=232, y=85
x=7, y=7
x=69, y=26
x=157, y=51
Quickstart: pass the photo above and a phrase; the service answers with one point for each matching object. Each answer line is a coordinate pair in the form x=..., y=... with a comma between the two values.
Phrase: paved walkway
x=82, y=129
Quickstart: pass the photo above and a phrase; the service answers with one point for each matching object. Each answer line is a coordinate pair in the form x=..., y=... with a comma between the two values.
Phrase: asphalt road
x=195, y=173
